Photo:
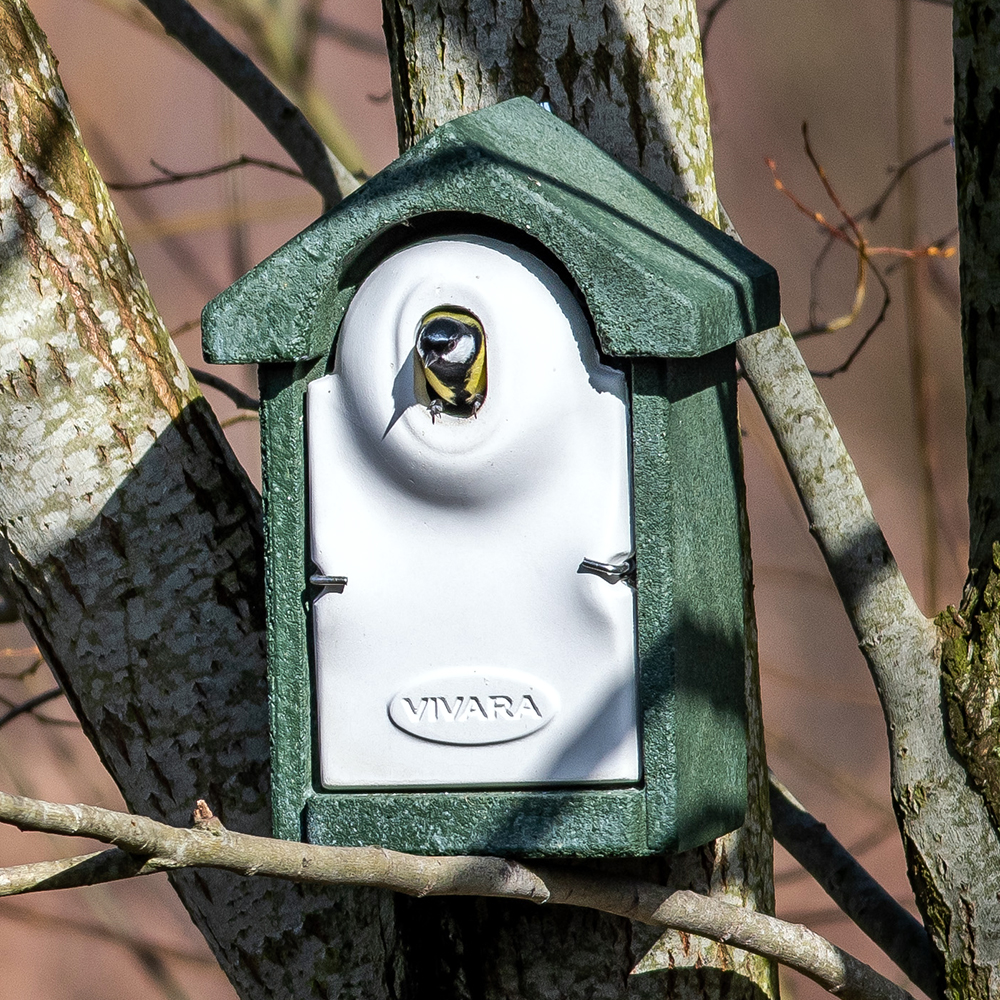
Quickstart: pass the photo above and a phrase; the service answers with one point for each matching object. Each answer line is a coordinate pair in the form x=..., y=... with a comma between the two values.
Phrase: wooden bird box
x=518, y=630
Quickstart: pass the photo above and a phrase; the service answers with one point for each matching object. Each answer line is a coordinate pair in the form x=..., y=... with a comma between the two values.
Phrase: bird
x=451, y=348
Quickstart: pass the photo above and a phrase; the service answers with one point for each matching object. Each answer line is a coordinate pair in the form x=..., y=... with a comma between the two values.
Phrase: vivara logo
x=474, y=706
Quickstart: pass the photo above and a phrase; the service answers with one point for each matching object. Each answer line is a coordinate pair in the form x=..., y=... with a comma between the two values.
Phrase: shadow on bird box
x=505, y=603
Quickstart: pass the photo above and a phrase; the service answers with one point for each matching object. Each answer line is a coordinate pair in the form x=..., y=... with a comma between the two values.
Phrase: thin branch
x=27, y=671
x=210, y=844
x=71, y=873
x=185, y=257
x=849, y=232
x=865, y=337
x=239, y=418
x=178, y=177
x=278, y=115
x=828, y=187
x=30, y=705
x=185, y=327
x=243, y=400
x=711, y=14
x=873, y=211
x=847, y=883
x=353, y=38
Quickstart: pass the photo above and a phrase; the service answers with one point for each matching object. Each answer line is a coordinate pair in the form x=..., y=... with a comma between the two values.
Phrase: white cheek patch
x=461, y=352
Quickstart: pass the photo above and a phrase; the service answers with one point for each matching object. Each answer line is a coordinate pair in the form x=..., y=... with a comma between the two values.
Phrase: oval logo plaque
x=473, y=706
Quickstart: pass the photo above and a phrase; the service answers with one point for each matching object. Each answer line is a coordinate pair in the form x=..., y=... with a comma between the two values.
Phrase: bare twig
x=849, y=232
x=178, y=177
x=353, y=38
x=874, y=210
x=278, y=115
x=239, y=418
x=865, y=337
x=243, y=400
x=157, y=846
x=710, y=15
x=20, y=675
x=185, y=327
x=847, y=883
x=185, y=257
x=30, y=705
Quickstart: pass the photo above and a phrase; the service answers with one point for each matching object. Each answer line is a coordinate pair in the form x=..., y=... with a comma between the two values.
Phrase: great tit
x=451, y=348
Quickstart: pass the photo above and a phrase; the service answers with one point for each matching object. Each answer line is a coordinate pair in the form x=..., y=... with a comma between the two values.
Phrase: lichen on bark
x=627, y=75
x=970, y=656
x=132, y=538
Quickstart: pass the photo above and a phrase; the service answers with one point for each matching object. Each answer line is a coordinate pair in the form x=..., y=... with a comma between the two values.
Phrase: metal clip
x=322, y=580
x=612, y=572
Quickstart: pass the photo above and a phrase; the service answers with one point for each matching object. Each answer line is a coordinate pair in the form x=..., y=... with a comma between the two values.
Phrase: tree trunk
x=629, y=76
x=132, y=540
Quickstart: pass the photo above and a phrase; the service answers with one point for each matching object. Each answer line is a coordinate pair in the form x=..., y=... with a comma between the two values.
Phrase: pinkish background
x=770, y=66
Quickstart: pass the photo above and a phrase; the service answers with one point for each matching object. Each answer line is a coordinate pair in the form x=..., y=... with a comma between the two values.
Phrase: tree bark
x=132, y=542
x=629, y=76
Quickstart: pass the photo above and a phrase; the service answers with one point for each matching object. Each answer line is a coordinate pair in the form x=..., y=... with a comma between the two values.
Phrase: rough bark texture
x=629, y=76
x=972, y=661
x=971, y=648
x=133, y=544
x=952, y=847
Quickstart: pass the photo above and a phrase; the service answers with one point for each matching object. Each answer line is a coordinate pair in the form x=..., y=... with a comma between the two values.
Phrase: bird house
x=505, y=608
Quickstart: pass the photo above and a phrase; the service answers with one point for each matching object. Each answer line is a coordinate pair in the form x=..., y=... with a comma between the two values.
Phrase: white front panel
x=468, y=649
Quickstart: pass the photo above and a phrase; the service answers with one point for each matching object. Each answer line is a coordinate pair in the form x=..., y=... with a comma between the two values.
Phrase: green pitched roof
x=658, y=280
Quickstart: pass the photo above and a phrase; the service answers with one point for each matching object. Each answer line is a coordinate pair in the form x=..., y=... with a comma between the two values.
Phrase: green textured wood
x=690, y=626
x=588, y=823
x=690, y=622
x=289, y=642
x=663, y=288
x=659, y=280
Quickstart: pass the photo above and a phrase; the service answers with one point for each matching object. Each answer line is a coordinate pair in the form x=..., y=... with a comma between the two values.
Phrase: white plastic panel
x=468, y=648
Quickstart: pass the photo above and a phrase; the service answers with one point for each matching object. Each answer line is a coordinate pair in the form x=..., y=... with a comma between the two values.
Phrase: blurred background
x=873, y=80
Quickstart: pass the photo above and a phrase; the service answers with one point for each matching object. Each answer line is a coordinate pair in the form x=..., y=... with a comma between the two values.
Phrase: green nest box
x=498, y=412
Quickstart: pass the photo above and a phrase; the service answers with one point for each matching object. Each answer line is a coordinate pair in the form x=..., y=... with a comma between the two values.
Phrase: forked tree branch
x=952, y=848
x=28, y=706
x=276, y=112
x=144, y=846
x=846, y=882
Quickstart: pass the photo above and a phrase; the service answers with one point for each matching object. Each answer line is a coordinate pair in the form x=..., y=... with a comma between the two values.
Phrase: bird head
x=448, y=336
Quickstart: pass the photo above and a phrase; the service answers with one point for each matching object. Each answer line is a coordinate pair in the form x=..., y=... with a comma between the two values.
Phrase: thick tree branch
x=894, y=930
x=144, y=846
x=278, y=115
x=952, y=847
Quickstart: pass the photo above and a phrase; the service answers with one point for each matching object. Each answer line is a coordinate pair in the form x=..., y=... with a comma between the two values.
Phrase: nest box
x=505, y=610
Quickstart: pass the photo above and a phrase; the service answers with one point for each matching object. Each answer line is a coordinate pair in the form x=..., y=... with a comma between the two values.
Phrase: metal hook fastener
x=322, y=580
x=612, y=572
